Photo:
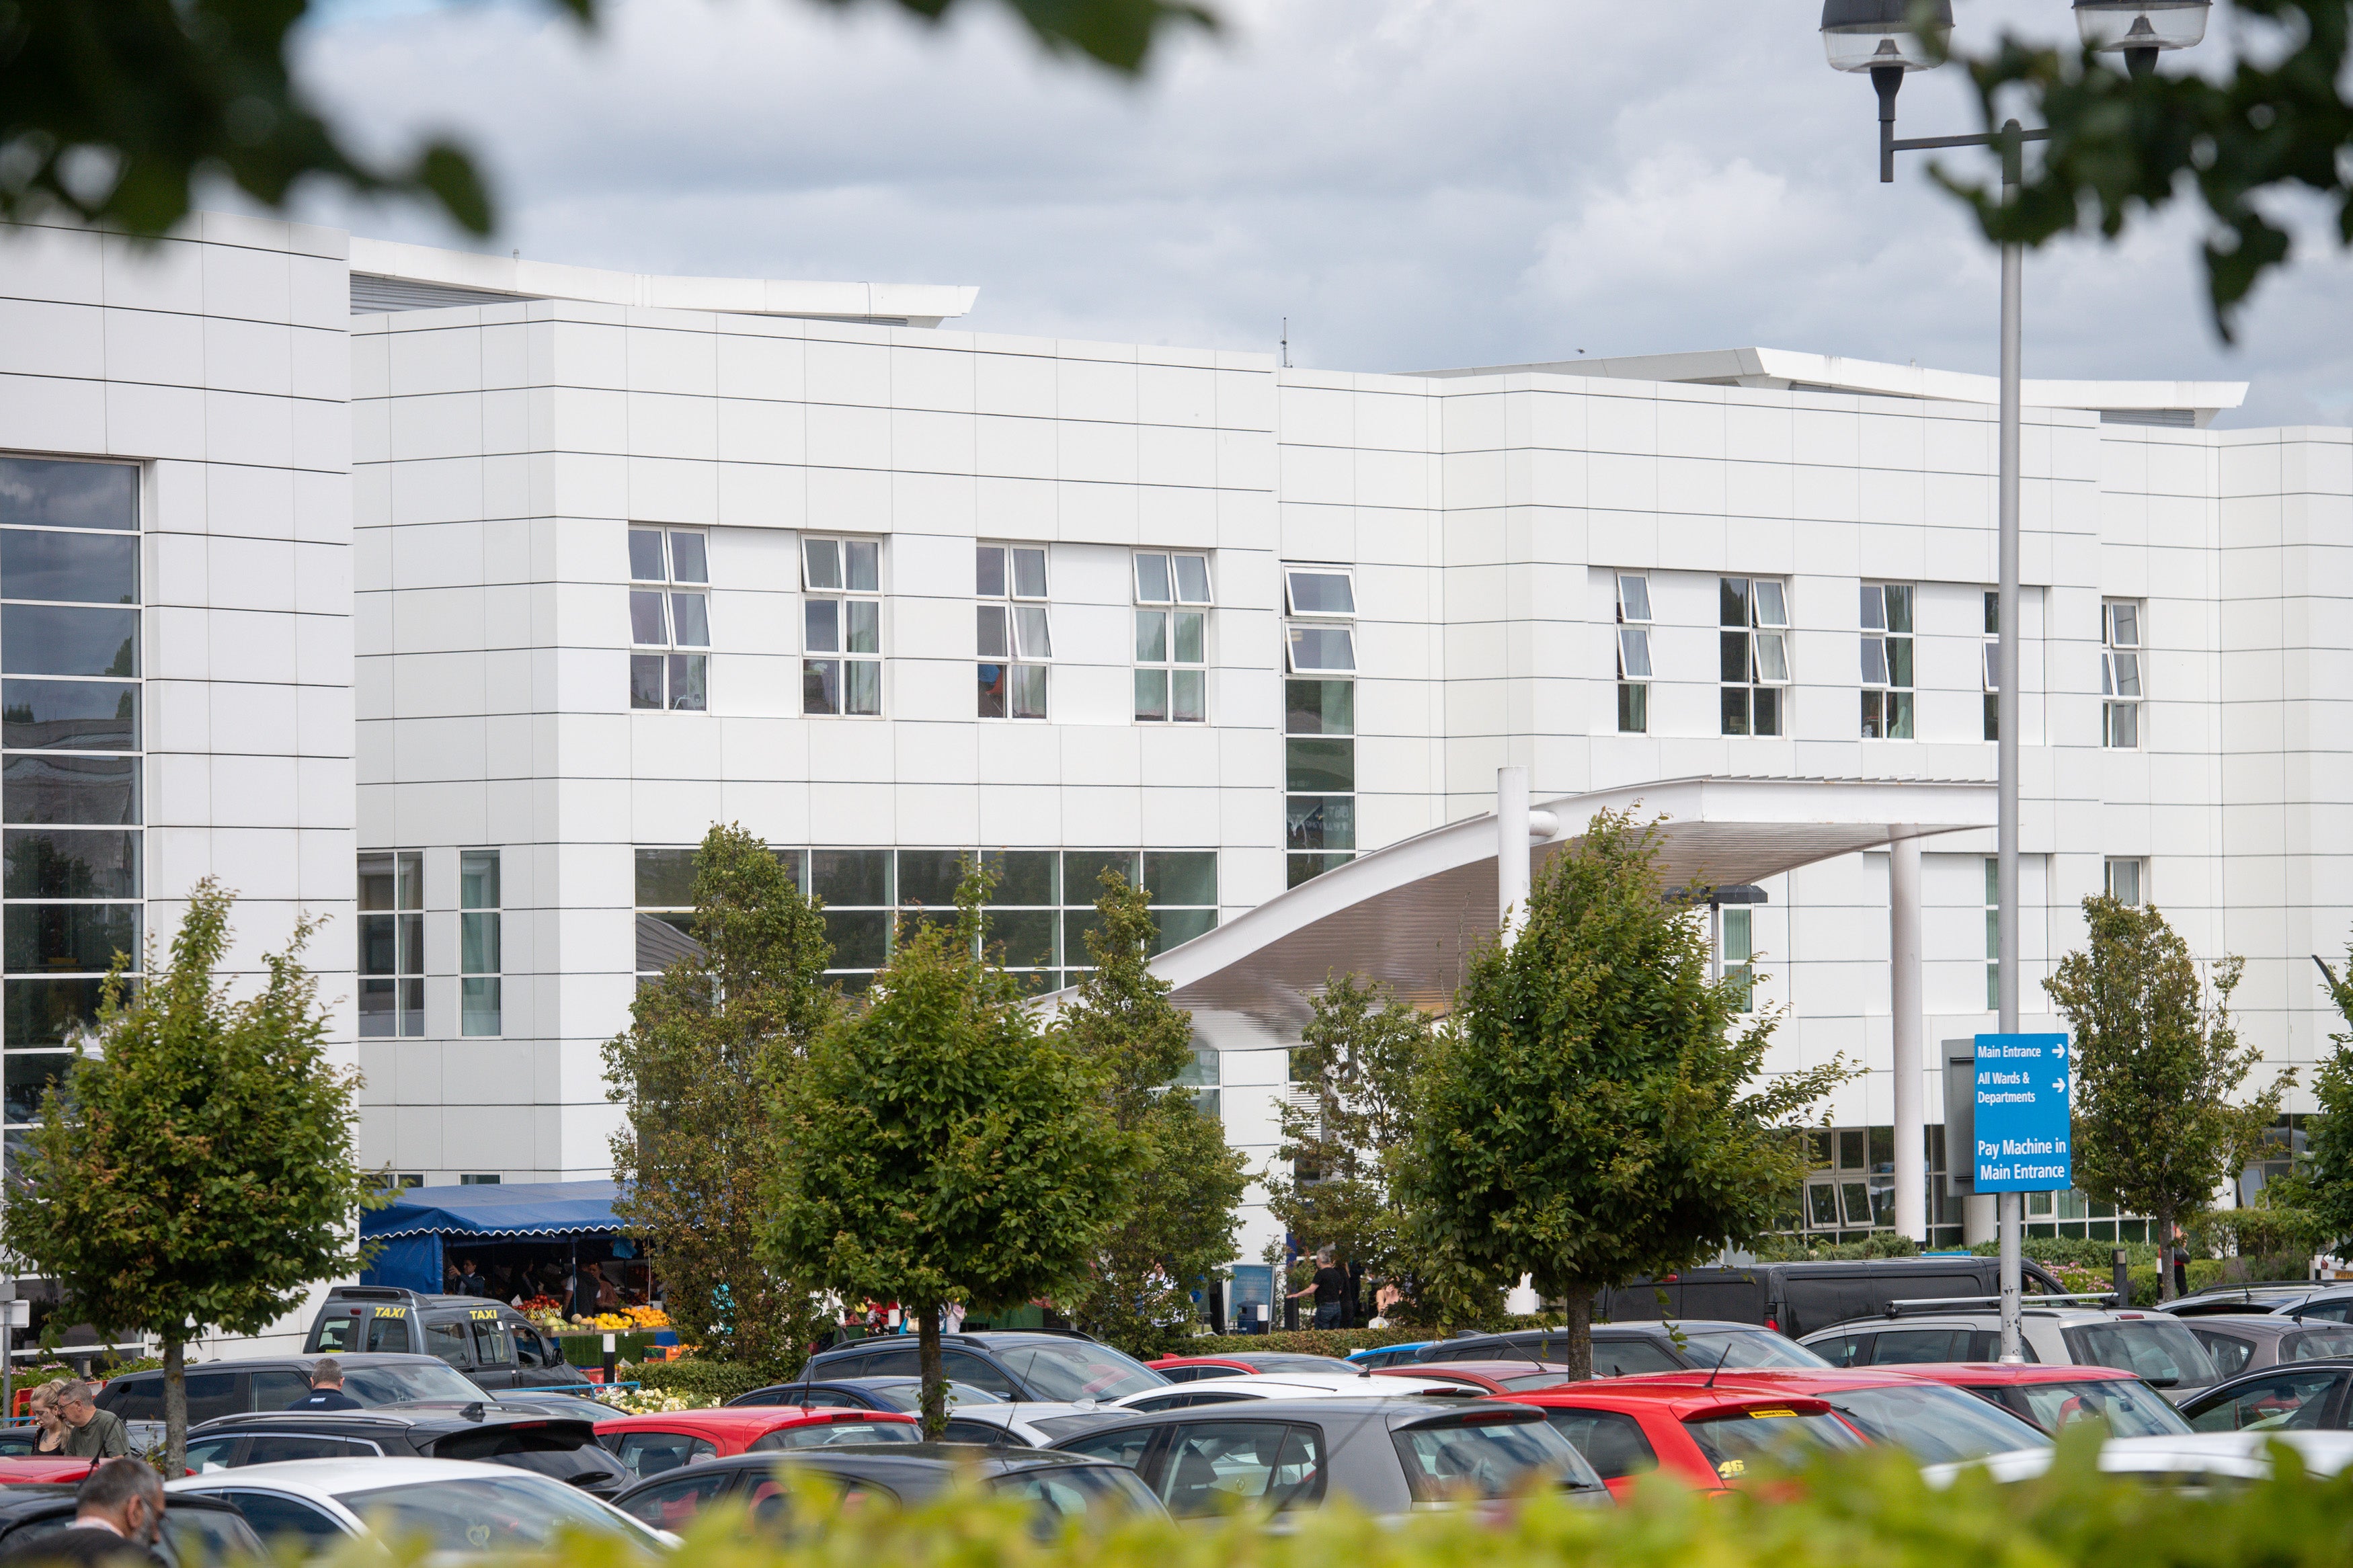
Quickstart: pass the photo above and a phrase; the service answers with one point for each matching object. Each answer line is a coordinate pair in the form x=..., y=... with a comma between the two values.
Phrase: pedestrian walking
x=1330, y=1289
x=49, y=1426
x=90, y=1433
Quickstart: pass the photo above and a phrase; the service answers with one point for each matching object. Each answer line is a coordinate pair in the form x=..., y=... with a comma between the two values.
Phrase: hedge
x=719, y=1380
x=1340, y=1342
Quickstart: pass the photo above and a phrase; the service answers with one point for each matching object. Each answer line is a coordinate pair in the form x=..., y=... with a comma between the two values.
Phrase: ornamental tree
x=2157, y=1065
x=1593, y=1110
x=694, y=1073
x=1180, y=1224
x=193, y=1170
x=939, y=1146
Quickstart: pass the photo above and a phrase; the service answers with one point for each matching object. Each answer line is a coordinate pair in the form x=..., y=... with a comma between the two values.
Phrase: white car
x=451, y=1506
x=1287, y=1386
x=2188, y=1459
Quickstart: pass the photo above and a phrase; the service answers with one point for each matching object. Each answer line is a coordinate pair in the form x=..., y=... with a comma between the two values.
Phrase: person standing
x=117, y=1509
x=90, y=1433
x=326, y=1388
x=1330, y=1289
x=470, y=1283
x=49, y=1426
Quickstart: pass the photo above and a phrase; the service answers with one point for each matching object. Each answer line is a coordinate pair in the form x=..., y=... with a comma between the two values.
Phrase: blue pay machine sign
x=2022, y=1103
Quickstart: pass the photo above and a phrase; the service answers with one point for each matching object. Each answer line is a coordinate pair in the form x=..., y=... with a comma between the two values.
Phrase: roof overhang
x=1409, y=916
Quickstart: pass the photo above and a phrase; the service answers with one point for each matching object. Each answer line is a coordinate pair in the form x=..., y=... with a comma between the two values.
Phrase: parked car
x=451, y=1506
x=1015, y=1364
x=34, y=1469
x=1886, y=1409
x=1487, y=1376
x=1797, y=1299
x=1192, y=1368
x=2053, y=1397
x=1384, y=1455
x=1369, y=1384
x=490, y=1342
x=2238, y=1342
x=2159, y=1349
x=974, y=1414
x=1713, y=1439
x=1388, y=1355
x=2197, y=1461
x=1056, y=1485
x=2326, y=1301
x=2308, y=1397
x=649, y=1444
x=549, y=1403
x=273, y=1383
x=549, y=1445
x=1628, y=1349
x=197, y=1532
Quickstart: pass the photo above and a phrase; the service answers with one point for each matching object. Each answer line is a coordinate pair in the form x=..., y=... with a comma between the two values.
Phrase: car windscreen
x=1071, y=1370
x=210, y=1537
x=406, y=1382
x=909, y=1396
x=1479, y=1455
x=1766, y=1436
x=2131, y=1409
x=489, y=1514
x=1738, y=1347
x=2159, y=1349
x=2316, y=1345
x=834, y=1434
x=569, y=1457
x=1934, y=1424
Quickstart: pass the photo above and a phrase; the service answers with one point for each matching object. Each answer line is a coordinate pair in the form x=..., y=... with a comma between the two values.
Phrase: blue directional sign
x=2022, y=1104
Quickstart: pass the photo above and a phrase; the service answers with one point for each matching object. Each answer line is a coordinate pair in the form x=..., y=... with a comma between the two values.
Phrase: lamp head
x=1879, y=35
x=2128, y=25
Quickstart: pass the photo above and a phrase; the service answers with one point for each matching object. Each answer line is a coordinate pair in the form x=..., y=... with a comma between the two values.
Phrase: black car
x=2323, y=1303
x=1018, y=1364
x=1056, y=1485
x=2305, y=1396
x=198, y=1532
x=1628, y=1349
x=523, y=1439
x=490, y=1342
x=902, y=1393
x=274, y=1383
x=1797, y=1299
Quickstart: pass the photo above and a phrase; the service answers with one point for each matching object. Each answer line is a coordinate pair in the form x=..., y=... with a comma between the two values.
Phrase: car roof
x=1680, y=1401
x=33, y=1497
x=328, y=1478
x=1199, y=1360
x=1370, y=1406
x=879, y=1456
x=1478, y=1368
x=436, y=1415
x=302, y=1363
x=2222, y=1385
x=1990, y=1318
x=752, y=1418
x=1342, y=1383
x=2258, y=1324
x=1994, y=1371
x=1795, y=1382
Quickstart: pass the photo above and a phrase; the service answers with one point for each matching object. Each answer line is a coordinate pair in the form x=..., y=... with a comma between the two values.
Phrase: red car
x=649, y=1444
x=2053, y=1396
x=1493, y=1376
x=31, y=1469
x=1242, y=1363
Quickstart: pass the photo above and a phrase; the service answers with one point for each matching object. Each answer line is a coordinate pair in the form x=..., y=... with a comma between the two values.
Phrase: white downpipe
x=1512, y=913
x=1909, y=1037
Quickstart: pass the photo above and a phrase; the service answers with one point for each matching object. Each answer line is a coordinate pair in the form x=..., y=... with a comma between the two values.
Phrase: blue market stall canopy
x=523, y=1210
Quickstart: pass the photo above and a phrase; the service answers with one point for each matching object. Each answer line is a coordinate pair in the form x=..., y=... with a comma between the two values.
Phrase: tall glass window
x=1886, y=661
x=392, y=944
x=1740, y=955
x=1755, y=641
x=670, y=619
x=1013, y=630
x=1319, y=776
x=2120, y=683
x=841, y=626
x=1992, y=665
x=479, y=999
x=1172, y=641
x=2125, y=880
x=1993, y=932
x=1633, y=654
x=70, y=753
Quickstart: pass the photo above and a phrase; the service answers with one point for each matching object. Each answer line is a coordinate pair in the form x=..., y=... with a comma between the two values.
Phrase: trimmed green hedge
x=719, y=1380
x=1339, y=1342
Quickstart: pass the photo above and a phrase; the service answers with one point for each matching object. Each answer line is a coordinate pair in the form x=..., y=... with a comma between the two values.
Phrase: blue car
x=1389, y=1355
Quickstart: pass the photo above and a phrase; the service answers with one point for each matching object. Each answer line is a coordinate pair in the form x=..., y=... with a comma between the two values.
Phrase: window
x=1992, y=665
x=841, y=626
x=1214, y=1467
x=1633, y=654
x=392, y=944
x=1739, y=957
x=2120, y=686
x=478, y=942
x=1993, y=933
x=1886, y=662
x=1320, y=595
x=70, y=776
x=670, y=626
x=1319, y=721
x=2124, y=881
x=1014, y=632
x=1754, y=655
x=1172, y=643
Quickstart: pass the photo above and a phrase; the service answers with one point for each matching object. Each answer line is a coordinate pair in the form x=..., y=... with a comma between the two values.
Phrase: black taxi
x=490, y=1342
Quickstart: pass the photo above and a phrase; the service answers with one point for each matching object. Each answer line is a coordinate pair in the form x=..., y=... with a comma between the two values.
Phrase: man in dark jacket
x=326, y=1389
x=118, y=1509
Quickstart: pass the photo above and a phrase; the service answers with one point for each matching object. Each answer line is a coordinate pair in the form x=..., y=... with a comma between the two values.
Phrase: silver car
x=449, y=1506
x=2157, y=1349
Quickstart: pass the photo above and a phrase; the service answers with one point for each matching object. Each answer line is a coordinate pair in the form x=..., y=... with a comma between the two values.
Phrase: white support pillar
x=1511, y=850
x=1909, y=1032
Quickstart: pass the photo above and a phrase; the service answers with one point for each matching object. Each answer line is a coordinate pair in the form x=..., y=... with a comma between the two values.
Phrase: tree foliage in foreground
x=2276, y=122
x=2157, y=1067
x=1178, y=1233
x=693, y=1074
x=1591, y=1113
x=113, y=110
x=939, y=1146
x=194, y=1171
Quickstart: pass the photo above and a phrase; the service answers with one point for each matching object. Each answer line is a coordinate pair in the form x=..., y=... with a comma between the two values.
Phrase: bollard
x=612, y=1357
x=2124, y=1277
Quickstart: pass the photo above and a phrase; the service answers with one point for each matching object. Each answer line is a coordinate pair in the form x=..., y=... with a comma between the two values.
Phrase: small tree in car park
x=940, y=1145
x=2320, y=1183
x=194, y=1169
x=2157, y=1066
x=694, y=1073
x=1180, y=1226
x=1591, y=1110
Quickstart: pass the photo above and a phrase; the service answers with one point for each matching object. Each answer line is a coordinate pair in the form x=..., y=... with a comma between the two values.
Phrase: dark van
x=490, y=1342
x=1800, y=1297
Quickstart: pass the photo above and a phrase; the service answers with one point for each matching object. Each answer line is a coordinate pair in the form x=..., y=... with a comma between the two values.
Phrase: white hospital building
x=454, y=597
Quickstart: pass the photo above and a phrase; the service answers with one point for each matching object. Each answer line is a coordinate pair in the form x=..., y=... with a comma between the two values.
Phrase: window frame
x=405, y=919
x=1019, y=667
x=668, y=660
x=1162, y=675
x=475, y=979
x=2120, y=712
x=1752, y=630
x=1890, y=707
x=2137, y=868
x=1632, y=631
x=831, y=675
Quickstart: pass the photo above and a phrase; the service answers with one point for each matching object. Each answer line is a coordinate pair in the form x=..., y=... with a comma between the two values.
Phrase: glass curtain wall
x=70, y=741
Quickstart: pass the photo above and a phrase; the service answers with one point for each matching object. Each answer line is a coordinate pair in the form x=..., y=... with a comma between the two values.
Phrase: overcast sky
x=1415, y=183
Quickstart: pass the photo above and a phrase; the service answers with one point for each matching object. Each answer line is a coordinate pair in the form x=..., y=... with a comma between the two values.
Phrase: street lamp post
x=1888, y=40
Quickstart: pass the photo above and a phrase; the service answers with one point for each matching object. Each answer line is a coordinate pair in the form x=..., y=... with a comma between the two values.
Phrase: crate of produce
x=586, y=1347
